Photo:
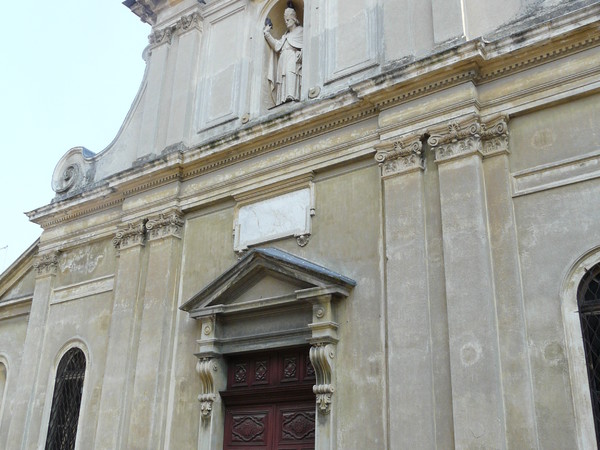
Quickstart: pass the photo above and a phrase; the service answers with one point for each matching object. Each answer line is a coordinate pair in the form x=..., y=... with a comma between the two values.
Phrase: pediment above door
x=264, y=276
x=268, y=299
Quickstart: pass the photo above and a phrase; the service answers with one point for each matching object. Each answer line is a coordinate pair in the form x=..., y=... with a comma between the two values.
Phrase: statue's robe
x=285, y=66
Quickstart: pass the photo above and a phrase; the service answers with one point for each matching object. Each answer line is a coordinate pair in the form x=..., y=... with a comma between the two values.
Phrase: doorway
x=269, y=403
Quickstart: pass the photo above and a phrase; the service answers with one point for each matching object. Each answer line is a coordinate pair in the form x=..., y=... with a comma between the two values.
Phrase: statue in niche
x=285, y=77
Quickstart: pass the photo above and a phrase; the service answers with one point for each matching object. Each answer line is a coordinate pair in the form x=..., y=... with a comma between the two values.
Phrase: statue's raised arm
x=285, y=75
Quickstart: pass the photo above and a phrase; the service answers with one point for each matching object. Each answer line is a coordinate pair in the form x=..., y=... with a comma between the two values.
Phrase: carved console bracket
x=46, y=263
x=469, y=136
x=322, y=352
x=322, y=356
x=206, y=367
x=401, y=156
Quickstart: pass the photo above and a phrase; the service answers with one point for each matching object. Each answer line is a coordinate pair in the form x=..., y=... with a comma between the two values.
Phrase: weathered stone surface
x=442, y=154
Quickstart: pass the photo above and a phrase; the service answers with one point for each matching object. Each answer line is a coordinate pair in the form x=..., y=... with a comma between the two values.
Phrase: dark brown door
x=269, y=402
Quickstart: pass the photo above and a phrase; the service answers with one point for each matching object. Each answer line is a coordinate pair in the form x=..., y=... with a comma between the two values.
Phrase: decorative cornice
x=469, y=136
x=142, y=9
x=401, y=156
x=205, y=368
x=132, y=234
x=46, y=264
x=324, y=127
x=165, y=224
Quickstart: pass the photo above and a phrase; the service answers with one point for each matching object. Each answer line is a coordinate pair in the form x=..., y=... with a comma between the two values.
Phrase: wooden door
x=269, y=402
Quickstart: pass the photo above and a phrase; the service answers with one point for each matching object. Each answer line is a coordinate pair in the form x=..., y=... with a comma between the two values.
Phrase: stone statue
x=285, y=77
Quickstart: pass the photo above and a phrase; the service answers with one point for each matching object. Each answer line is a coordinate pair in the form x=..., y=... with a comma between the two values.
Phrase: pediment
x=265, y=276
x=18, y=280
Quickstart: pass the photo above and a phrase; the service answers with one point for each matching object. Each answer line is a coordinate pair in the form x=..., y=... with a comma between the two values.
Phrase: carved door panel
x=269, y=402
x=271, y=427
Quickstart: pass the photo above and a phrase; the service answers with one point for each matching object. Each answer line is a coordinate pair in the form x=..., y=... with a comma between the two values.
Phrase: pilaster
x=26, y=411
x=153, y=365
x=188, y=30
x=514, y=354
x=409, y=358
x=478, y=410
x=115, y=401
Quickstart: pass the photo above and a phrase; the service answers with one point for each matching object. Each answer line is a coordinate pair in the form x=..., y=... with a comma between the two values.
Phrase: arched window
x=66, y=400
x=588, y=300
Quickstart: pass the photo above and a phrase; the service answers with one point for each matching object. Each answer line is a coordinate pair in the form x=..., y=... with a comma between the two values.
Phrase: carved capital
x=132, y=234
x=457, y=139
x=46, y=264
x=471, y=135
x=165, y=224
x=494, y=136
x=401, y=156
x=205, y=368
x=162, y=36
x=189, y=22
x=322, y=358
x=165, y=35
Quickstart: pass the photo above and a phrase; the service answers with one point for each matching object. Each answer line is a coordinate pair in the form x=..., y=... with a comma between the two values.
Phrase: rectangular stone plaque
x=273, y=218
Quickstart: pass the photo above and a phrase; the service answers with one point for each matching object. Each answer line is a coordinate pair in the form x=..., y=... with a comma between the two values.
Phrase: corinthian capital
x=132, y=234
x=456, y=139
x=470, y=135
x=400, y=156
x=165, y=224
x=46, y=264
x=494, y=136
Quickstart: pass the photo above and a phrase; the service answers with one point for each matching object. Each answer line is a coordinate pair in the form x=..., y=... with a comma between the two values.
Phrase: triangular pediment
x=265, y=273
x=18, y=280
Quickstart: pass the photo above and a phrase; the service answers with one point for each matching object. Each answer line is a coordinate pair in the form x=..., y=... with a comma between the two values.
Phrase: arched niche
x=274, y=11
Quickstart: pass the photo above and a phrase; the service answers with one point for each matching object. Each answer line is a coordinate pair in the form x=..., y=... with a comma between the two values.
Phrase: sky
x=70, y=71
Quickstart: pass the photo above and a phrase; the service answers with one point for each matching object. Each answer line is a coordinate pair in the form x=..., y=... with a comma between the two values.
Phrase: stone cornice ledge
x=483, y=60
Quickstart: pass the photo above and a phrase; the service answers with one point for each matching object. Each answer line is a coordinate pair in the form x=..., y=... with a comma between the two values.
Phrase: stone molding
x=46, y=263
x=164, y=225
x=399, y=157
x=143, y=9
x=165, y=35
x=469, y=136
x=132, y=234
x=205, y=368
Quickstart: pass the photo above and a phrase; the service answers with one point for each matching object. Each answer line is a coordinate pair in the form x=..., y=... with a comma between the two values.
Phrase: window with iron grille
x=588, y=300
x=66, y=401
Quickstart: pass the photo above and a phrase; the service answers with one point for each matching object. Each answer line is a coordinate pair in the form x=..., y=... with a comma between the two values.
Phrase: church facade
x=330, y=224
